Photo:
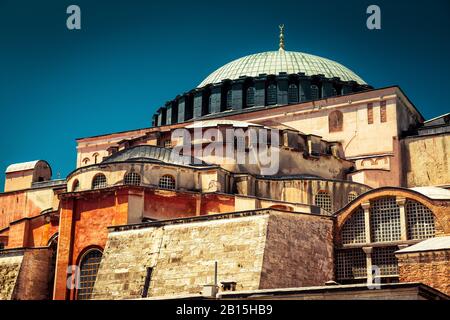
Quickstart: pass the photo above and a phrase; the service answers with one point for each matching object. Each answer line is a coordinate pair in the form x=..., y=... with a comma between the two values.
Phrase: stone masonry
x=259, y=249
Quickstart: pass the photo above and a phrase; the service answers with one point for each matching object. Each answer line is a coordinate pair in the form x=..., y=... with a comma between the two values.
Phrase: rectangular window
x=370, y=113
x=383, y=116
x=148, y=278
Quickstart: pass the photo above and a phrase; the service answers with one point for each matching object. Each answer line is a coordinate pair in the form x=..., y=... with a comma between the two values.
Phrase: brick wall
x=431, y=268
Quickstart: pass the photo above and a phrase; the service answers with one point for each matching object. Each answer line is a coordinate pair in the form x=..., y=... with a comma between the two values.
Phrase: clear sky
x=132, y=56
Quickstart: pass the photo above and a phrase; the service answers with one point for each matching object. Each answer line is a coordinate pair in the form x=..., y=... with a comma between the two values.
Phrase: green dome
x=274, y=62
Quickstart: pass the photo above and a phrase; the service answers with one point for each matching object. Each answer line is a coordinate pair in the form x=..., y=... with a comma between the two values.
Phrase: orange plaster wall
x=217, y=203
x=165, y=204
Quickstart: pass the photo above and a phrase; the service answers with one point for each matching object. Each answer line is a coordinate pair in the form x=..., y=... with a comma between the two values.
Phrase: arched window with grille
x=250, y=102
x=292, y=93
x=323, y=200
x=352, y=196
x=271, y=94
x=314, y=92
x=354, y=230
x=167, y=182
x=229, y=99
x=99, y=181
x=385, y=220
x=88, y=268
x=75, y=185
x=335, y=121
x=420, y=221
x=132, y=179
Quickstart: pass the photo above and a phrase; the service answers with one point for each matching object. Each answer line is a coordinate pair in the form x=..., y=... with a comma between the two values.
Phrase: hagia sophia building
x=358, y=206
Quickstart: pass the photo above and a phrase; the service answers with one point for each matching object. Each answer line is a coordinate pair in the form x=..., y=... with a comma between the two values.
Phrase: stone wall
x=9, y=272
x=252, y=249
x=298, y=251
x=427, y=161
x=25, y=274
x=431, y=268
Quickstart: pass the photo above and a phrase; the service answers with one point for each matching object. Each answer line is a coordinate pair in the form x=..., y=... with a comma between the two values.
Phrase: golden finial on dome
x=281, y=26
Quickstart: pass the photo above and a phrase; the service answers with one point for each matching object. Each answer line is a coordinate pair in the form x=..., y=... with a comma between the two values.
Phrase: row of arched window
x=131, y=178
x=271, y=95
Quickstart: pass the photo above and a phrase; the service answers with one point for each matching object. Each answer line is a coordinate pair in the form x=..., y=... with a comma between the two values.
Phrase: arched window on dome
x=167, y=182
x=132, y=179
x=229, y=99
x=250, y=102
x=89, y=265
x=335, y=121
x=99, y=181
x=323, y=200
x=271, y=94
x=314, y=92
x=75, y=185
x=292, y=93
x=210, y=104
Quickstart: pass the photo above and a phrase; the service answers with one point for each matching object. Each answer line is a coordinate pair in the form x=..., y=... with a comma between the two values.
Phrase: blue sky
x=132, y=56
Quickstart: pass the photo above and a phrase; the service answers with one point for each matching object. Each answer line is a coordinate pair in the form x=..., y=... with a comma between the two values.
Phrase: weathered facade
x=286, y=169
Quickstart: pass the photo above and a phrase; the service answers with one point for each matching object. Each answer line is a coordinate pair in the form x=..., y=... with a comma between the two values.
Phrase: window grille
x=272, y=94
x=384, y=258
x=351, y=264
x=132, y=178
x=250, y=97
x=385, y=220
x=229, y=99
x=420, y=221
x=168, y=144
x=383, y=115
x=293, y=93
x=314, y=92
x=354, y=230
x=167, y=182
x=89, y=266
x=99, y=182
x=323, y=200
x=352, y=196
x=370, y=113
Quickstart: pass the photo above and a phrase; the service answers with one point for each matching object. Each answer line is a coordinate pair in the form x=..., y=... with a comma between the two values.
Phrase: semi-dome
x=274, y=62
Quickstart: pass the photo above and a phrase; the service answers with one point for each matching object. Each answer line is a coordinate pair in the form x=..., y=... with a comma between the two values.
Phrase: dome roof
x=274, y=62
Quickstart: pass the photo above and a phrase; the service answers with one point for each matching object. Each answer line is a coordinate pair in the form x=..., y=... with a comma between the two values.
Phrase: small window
x=132, y=179
x=370, y=113
x=314, y=92
x=2, y=246
x=229, y=99
x=383, y=116
x=168, y=144
x=335, y=121
x=76, y=186
x=86, y=161
x=95, y=156
x=210, y=104
x=89, y=266
x=292, y=94
x=99, y=181
x=167, y=182
x=352, y=196
x=323, y=200
x=250, y=97
x=272, y=95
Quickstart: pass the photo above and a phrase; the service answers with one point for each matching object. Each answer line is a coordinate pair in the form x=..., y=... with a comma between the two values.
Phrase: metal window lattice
x=88, y=273
x=385, y=220
x=354, y=230
x=292, y=93
x=272, y=94
x=352, y=196
x=229, y=99
x=167, y=182
x=323, y=200
x=250, y=96
x=420, y=221
x=99, y=182
x=132, y=178
x=351, y=264
x=314, y=92
x=384, y=258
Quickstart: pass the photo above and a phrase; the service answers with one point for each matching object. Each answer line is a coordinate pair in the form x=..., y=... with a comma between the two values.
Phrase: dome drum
x=247, y=92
